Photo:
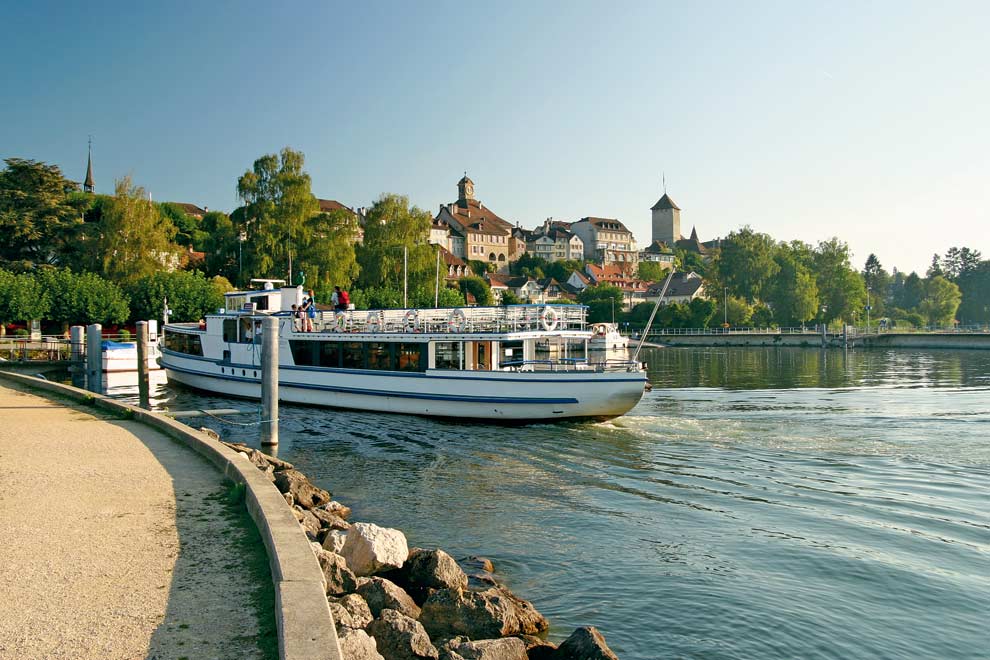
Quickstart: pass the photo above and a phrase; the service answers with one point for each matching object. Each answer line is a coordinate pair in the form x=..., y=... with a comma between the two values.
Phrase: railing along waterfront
x=512, y=318
x=817, y=330
x=50, y=348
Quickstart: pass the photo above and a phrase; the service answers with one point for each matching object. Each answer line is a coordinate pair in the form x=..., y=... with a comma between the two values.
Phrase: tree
x=423, y=297
x=974, y=285
x=190, y=296
x=188, y=230
x=935, y=269
x=700, y=312
x=135, y=240
x=878, y=282
x=959, y=261
x=478, y=267
x=478, y=288
x=794, y=294
x=910, y=292
x=22, y=298
x=561, y=270
x=278, y=204
x=39, y=215
x=740, y=313
x=603, y=301
x=688, y=260
x=83, y=298
x=221, y=246
x=840, y=288
x=941, y=301
x=327, y=253
x=392, y=226
x=509, y=298
x=746, y=264
x=651, y=271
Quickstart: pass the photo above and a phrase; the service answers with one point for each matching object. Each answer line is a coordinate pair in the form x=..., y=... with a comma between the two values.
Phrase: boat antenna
x=663, y=292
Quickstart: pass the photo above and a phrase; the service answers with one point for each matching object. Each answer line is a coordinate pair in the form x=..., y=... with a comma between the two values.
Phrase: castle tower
x=88, y=185
x=465, y=190
x=666, y=221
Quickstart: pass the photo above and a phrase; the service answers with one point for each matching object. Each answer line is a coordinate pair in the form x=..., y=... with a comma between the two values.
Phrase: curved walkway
x=117, y=542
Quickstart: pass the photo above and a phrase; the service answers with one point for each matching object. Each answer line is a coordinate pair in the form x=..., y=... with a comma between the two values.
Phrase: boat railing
x=570, y=364
x=511, y=318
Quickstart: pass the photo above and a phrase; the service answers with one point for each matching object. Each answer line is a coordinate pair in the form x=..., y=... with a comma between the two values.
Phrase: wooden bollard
x=142, y=365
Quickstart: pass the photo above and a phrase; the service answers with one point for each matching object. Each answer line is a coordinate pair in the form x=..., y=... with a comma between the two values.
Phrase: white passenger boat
x=606, y=337
x=470, y=363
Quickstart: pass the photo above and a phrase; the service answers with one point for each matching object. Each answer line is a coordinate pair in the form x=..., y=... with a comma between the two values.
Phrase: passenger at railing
x=311, y=312
x=295, y=318
x=307, y=320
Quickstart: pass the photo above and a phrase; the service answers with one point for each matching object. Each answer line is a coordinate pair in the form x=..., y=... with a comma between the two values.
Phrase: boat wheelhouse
x=514, y=363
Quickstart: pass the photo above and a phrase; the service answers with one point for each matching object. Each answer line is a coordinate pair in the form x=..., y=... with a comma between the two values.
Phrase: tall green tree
x=603, y=301
x=651, y=271
x=878, y=283
x=959, y=261
x=840, y=288
x=22, y=298
x=83, y=298
x=941, y=301
x=974, y=285
x=221, y=246
x=135, y=240
x=478, y=288
x=327, y=253
x=746, y=265
x=39, y=214
x=190, y=295
x=278, y=206
x=391, y=225
x=794, y=294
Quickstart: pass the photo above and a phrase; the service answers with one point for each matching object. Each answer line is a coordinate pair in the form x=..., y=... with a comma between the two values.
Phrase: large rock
x=339, y=578
x=401, y=638
x=508, y=648
x=434, y=569
x=334, y=541
x=304, y=493
x=357, y=645
x=350, y=611
x=585, y=643
x=495, y=612
x=309, y=522
x=337, y=509
x=479, y=571
x=372, y=549
x=328, y=519
x=382, y=594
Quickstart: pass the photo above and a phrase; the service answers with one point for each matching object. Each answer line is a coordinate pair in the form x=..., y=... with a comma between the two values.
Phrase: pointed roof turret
x=88, y=185
x=665, y=202
x=694, y=234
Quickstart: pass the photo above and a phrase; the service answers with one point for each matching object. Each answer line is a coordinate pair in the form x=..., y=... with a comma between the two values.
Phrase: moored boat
x=606, y=337
x=473, y=363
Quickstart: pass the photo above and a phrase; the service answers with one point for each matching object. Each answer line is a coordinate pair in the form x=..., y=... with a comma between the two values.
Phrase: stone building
x=484, y=236
x=606, y=240
x=554, y=241
x=666, y=221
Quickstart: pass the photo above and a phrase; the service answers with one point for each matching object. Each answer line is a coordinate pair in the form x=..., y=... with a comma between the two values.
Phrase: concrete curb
x=306, y=629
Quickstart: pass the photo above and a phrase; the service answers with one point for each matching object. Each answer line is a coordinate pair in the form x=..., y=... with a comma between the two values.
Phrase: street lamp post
x=241, y=237
x=868, y=308
x=725, y=307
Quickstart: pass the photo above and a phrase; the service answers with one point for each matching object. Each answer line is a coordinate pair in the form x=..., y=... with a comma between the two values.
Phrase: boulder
x=585, y=643
x=289, y=499
x=305, y=494
x=475, y=563
x=479, y=572
x=337, y=509
x=328, y=519
x=339, y=578
x=260, y=460
x=372, y=549
x=334, y=541
x=538, y=648
x=495, y=612
x=357, y=645
x=507, y=648
x=434, y=569
x=309, y=522
x=382, y=594
x=278, y=463
x=350, y=611
x=401, y=638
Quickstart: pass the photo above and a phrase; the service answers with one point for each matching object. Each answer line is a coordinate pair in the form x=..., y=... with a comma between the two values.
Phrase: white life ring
x=549, y=318
x=374, y=322
x=599, y=329
x=457, y=321
x=412, y=321
x=340, y=322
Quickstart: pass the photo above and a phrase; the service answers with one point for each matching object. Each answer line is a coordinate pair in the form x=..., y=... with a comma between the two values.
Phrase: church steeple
x=88, y=185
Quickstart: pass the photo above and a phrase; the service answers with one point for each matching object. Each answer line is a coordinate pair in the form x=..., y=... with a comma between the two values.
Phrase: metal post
x=142, y=365
x=269, y=381
x=94, y=358
x=867, y=310
x=77, y=343
x=405, y=276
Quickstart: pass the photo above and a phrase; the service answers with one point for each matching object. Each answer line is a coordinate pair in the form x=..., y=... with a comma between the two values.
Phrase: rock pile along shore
x=390, y=602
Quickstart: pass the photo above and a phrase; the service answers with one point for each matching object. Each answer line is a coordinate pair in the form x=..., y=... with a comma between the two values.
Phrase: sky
x=869, y=121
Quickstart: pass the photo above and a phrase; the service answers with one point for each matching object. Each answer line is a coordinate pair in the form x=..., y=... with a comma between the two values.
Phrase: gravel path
x=116, y=542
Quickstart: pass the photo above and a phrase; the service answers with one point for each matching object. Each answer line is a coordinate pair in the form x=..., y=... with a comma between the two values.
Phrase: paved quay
x=117, y=542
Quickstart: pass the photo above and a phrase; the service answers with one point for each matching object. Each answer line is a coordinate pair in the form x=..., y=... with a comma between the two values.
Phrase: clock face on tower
x=468, y=190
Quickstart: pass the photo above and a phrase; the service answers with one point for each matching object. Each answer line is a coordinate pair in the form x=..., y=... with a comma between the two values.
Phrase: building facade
x=606, y=240
x=482, y=234
x=666, y=221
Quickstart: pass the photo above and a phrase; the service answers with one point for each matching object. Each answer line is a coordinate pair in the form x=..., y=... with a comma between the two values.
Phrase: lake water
x=758, y=503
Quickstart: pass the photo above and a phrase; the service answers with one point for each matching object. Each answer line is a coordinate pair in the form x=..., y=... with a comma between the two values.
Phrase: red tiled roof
x=190, y=209
x=476, y=217
x=328, y=205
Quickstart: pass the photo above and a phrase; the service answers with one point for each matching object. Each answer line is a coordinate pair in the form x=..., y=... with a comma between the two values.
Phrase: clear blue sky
x=867, y=121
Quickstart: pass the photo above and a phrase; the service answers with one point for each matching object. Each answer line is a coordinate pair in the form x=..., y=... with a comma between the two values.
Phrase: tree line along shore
x=75, y=257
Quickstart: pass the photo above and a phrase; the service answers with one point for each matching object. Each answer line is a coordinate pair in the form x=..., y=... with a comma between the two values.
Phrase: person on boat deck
x=295, y=318
x=307, y=320
x=343, y=299
x=311, y=313
x=247, y=331
x=335, y=298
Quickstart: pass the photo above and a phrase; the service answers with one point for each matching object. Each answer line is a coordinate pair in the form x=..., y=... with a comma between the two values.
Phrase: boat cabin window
x=381, y=356
x=512, y=352
x=449, y=354
x=230, y=330
x=180, y=342
x=260, y=302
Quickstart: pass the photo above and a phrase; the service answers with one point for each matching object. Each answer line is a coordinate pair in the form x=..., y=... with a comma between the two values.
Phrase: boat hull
x=489, y=396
